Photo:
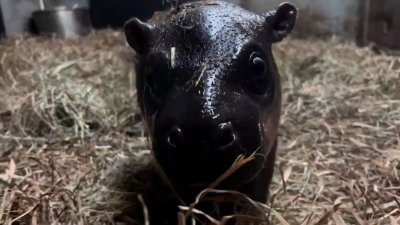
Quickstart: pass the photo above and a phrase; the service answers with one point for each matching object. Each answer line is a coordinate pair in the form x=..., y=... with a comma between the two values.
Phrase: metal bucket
x=63, y=23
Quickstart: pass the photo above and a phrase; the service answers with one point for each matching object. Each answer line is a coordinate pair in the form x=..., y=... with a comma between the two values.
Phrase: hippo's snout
x=223, y=137
x=197, y=150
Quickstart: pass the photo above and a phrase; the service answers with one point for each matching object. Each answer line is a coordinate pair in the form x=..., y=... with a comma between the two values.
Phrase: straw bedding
x=73, y=149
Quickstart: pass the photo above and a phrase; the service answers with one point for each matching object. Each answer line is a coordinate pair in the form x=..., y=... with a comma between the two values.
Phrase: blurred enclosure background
x=359, y=20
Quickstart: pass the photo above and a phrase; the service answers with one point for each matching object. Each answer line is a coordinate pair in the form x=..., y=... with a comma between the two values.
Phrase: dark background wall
x=384, y=23
x=114, y=13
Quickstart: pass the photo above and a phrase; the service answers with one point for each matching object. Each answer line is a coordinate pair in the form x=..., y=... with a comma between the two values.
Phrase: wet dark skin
x=209, y=91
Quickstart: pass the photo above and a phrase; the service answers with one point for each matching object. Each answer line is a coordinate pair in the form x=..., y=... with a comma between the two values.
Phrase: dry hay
x=71, y=143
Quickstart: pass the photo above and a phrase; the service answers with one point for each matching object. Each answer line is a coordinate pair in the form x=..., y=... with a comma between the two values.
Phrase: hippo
x=209, y=91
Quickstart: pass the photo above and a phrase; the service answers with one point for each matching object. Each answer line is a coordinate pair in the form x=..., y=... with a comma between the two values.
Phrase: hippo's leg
x=258, y=189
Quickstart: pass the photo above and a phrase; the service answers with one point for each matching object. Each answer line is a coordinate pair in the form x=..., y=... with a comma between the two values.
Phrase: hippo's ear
x=282, y=21
x=138, y=35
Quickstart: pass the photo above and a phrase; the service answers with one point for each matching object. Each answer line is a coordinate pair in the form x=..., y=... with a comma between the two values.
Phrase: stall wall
x=317, y=17
x=17, y=13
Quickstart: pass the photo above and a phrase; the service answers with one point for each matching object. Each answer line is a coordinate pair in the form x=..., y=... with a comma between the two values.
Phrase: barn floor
x=73, y=152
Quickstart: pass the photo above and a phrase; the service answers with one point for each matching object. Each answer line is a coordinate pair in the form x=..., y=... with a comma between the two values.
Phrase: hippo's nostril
x=226, y=136
x=226, y=139
x=175, y=138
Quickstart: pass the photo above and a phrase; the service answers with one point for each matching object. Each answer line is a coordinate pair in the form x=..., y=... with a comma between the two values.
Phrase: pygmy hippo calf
x=209, y=91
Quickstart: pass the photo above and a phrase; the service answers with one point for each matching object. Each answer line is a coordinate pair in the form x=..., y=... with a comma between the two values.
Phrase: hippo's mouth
x=193, y=170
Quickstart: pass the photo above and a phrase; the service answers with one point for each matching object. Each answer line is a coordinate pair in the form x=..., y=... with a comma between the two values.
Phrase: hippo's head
x=208, y=87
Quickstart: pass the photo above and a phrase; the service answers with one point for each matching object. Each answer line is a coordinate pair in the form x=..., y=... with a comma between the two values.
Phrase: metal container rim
x=46, y=11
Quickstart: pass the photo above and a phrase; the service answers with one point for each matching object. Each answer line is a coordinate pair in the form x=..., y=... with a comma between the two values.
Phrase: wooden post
x=362, y=34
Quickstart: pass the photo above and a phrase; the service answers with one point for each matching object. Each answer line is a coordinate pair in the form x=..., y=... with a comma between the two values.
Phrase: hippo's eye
x=258, y=77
